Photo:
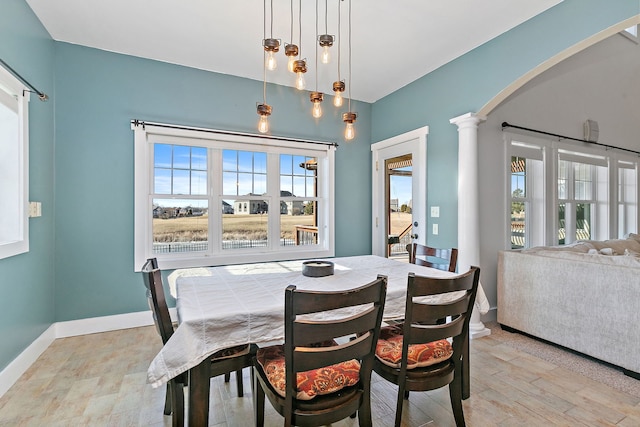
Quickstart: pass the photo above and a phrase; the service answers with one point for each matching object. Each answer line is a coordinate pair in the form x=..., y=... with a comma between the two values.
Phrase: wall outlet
x=35, y=209
x=435, y=229
x=435, y=211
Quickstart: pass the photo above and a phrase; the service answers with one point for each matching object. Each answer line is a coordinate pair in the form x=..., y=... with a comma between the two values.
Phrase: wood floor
x=100, y=380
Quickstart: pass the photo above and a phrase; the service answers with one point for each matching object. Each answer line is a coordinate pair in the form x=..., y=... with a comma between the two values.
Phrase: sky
x=182, y=170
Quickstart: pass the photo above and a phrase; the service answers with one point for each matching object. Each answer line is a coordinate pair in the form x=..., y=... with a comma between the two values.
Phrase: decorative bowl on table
x=317, y=268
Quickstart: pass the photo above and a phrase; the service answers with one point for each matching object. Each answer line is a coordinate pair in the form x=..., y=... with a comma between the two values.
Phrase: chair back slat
x=308, y=358
x=425, y=286
x=318, y=301
x=430, y=333
x=439, y=311
x=324, y=330
x=441, y=258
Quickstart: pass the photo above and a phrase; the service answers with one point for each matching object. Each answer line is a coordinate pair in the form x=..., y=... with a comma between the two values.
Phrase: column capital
x=467, y=120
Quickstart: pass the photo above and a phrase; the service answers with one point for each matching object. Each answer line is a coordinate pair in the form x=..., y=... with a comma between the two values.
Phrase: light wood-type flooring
x=100, y=380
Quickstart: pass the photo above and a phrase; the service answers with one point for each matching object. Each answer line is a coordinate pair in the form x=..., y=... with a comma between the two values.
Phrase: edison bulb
x=263, y=124
x=290, y=63
x=349, y=132
x=271, y=62
x=337, y=99
x=316, y=112
x=326, y=56
x=300, y=83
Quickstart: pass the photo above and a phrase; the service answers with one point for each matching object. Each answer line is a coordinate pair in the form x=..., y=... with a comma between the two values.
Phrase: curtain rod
x=507, y=125
x=41, y=95
x=136, y=122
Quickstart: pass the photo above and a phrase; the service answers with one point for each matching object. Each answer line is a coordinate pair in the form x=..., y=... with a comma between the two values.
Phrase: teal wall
x=469, y=82
x=87, y=234
x=27, y=280
x=99, y=93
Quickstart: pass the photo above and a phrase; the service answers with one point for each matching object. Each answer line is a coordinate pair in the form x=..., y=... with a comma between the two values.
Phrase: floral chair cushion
x=310, y=383
x=236, y=351
x=389, y=350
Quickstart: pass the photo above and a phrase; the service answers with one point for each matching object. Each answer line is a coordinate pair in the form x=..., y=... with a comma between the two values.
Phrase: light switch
x=435, y=228
x=435, y=211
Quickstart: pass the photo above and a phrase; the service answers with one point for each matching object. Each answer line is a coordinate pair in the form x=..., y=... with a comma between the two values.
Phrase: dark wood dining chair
x=442, y=259
x=223, y=362
x=423, y=353
x=322, y=373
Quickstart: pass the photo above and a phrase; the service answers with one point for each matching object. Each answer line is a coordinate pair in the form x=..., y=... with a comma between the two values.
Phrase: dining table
x=225, y=306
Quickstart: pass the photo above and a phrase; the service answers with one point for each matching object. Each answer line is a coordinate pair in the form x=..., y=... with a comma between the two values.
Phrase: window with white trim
x=526, y=194
x=582, y=197
x=559, y=192
x=210, y=198
x=627, y=198
x=14, y=166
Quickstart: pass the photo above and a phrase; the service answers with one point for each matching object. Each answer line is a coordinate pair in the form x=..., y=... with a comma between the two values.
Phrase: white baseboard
x=18, y=366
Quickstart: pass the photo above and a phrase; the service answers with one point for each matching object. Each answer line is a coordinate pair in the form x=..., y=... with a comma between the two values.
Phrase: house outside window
x=209, y=198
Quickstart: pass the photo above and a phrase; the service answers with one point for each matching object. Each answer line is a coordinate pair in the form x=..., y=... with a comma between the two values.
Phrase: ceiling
x=392, y=42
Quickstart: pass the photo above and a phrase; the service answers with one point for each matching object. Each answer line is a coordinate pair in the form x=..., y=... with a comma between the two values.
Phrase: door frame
x=414, y=142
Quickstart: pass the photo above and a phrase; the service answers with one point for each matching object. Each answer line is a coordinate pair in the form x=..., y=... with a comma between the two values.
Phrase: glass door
x=399, y=201
x=399, y=193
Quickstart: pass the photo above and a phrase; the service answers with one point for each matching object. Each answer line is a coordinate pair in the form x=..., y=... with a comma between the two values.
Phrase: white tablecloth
x=220, y=307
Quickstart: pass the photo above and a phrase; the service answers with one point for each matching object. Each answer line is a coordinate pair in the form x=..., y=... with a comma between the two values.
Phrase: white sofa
x=584, y=296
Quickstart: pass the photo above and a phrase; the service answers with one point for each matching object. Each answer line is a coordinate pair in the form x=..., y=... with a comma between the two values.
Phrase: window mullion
x=273, y=190
x=214, y=193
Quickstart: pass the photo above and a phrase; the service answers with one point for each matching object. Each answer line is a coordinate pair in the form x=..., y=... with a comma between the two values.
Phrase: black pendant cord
x=507, y=125
x=41, y=95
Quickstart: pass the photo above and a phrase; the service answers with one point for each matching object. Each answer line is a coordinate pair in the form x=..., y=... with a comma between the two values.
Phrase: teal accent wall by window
x=27, y=280
x=99, y=93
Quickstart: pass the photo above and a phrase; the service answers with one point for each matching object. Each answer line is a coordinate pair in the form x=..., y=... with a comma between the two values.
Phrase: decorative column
x=468, y=206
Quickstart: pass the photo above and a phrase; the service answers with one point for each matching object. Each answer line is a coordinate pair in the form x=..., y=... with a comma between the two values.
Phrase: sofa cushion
x=580, y=246
x=596, y=258
x=633, y=236
x=617, y=246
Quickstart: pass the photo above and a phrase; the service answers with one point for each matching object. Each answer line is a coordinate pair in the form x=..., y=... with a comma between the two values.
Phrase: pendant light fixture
x=291, y=50
x=300, y=65
x=297, y=64
x=349, y=117
x=264, y=109
x=270, y=45
x=325, y=40
x=316, y=97
x=338, y=85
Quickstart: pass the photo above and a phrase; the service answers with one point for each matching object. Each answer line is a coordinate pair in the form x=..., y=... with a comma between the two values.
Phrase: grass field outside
x=190, y=233
x=235, y=227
